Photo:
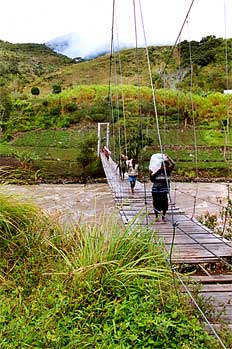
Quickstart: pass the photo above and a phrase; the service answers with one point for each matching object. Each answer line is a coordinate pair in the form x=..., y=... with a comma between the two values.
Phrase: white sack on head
x=156, y=161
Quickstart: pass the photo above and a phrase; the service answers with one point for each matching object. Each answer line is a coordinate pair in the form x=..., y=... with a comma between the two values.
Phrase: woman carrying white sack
x=160, y=169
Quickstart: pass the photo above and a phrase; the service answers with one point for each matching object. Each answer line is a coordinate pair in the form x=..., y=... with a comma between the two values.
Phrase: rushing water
x=88, y=203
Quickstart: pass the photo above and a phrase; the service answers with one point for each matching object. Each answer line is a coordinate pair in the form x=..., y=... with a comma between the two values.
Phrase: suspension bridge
x=187, y=243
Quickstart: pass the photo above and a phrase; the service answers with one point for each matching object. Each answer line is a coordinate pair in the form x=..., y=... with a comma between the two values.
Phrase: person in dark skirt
x=161, y=186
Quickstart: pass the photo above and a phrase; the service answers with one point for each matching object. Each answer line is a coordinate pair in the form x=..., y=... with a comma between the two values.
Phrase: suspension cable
x=194, y=123
x=138, y=72
x=110, y=74
x=116, y=61
x=139, y=102
x=227, y=127
x=180, y=32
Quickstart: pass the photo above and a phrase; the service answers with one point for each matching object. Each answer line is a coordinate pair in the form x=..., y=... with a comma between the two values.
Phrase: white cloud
x=41, y=21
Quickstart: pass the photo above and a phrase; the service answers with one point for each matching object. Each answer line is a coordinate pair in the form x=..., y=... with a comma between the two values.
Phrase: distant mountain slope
x=23, y=63
x=208, y=65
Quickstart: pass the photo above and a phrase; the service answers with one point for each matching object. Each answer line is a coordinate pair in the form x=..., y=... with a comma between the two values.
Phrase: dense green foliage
x=89, y=287
x=72, y=105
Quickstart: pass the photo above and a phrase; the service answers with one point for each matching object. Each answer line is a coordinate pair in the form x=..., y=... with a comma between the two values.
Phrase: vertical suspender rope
x=194, y=126
x=227, y=86
x=178, y=110
x=114, y=24
x=122, y=96
x=160, y=144
x=140, y=112
x=227, y=128
x=110, y=73
x=138, y=73
x=178, y=36
x=116, y=103
x=118, y=61
x=117, y=108
x=181, y=29
x=154, y=101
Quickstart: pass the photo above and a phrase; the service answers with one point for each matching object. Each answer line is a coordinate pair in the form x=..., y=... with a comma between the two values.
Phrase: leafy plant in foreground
x=90, y=287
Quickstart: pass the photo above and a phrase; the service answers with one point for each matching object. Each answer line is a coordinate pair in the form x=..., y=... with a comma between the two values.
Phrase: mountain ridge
x=23, y=66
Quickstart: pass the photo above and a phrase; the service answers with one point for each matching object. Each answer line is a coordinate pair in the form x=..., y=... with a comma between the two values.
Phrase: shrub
x=35, y=91
x=56, y=88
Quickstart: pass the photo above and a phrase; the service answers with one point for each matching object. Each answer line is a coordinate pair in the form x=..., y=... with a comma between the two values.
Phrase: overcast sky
x=40, y=21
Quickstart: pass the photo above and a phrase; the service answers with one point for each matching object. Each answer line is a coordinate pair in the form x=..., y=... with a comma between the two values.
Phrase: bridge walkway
x=190, y=243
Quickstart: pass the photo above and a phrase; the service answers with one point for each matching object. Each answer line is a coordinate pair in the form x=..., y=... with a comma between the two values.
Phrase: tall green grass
x=88, y=287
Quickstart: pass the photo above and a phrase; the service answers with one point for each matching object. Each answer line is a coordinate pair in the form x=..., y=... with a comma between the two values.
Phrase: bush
x=35, y=91
x=56, y=88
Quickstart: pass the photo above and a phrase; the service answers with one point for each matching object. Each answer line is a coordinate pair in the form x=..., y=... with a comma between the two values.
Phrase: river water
x=89, y=203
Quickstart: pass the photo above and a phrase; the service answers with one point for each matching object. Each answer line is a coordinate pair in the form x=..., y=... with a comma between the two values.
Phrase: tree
x=35, y=91
x=56, y=88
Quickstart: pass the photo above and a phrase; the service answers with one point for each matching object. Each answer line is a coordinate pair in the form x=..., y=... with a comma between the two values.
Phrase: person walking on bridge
x=122, y=166
x=133, y=172
x=160, y=169
x=106, y=152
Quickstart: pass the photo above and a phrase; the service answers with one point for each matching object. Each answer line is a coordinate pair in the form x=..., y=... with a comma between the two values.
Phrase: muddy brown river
x=89, y=203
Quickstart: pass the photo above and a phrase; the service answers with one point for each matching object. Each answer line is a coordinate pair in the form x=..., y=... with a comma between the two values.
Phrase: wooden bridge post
x=99, y=136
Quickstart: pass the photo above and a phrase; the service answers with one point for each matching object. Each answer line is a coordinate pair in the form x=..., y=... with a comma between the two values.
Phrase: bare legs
x=132, y=184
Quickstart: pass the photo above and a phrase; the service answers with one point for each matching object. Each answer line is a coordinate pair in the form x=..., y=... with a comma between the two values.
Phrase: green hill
x=25, y=65
x=211, y=69
x=21, y=64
